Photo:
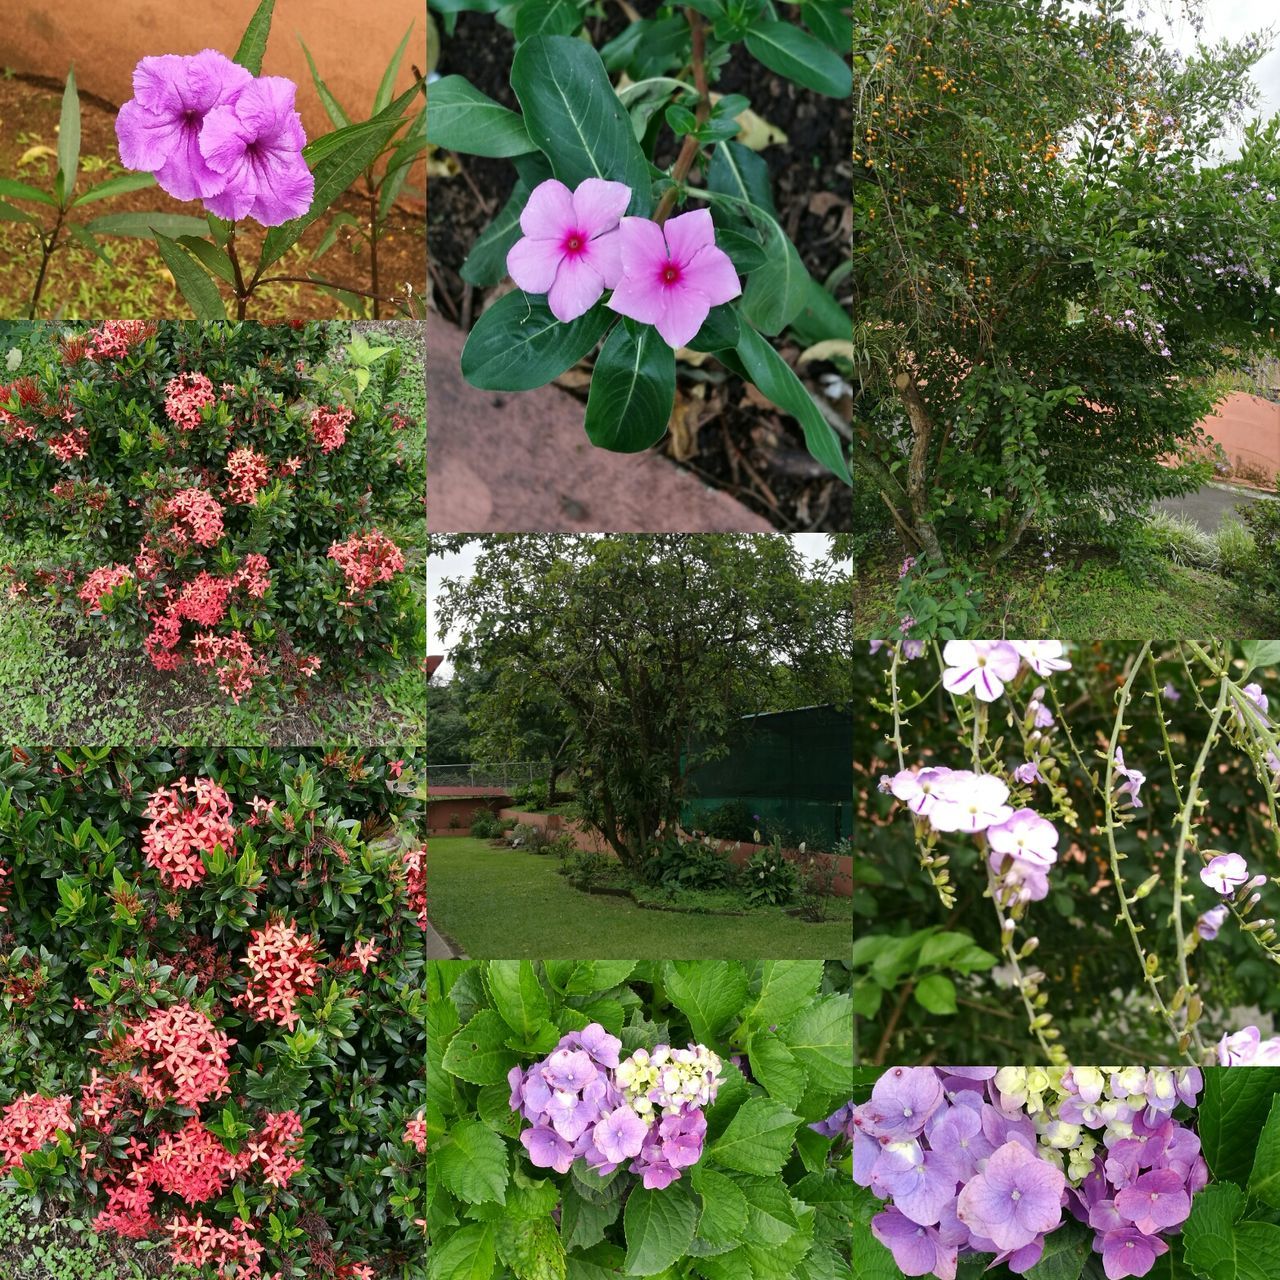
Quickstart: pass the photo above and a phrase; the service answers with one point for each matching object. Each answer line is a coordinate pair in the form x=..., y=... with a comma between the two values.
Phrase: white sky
x=811, y=546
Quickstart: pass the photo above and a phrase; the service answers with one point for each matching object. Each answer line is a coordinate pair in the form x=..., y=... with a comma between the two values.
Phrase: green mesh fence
x=792, y=768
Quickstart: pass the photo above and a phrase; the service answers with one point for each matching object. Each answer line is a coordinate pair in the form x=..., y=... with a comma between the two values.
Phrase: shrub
x=1261, y=571
x=218, y=490
x=732, y=820
x=678, y=863
x=532, y=795
x=585, y=870
x=769, y=879
x=526, y=836
x=1182, y=540
x=486, y=825
x=212, y=969
x=1236, y=548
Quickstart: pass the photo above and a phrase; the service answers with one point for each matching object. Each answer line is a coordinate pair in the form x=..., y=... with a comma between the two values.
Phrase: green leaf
x=517, y=344
x=69, y=136
x=709, y=993
x=785, y=985
x=775, y=292
x=821, y=1037
x=871, y=1260
x=1260, y=653
x=777, y=380
x=1232, y=1111
x=758, y=1139
x=798, y=56
x=776, y=1068
x=461, y=118
x=16, y=190
x=1065, y=1253
x=333, y=108
x=547, y=18
x=213, y=258
x=632, y=390
x=739, y=172
x=517, y=995
x=724, y=1208
x=472, y=1163
x=11, y=213
x=193, y=282
x=478, y=1053
x=89, y=242
x=583, y=1222
x=147, y=224
x=486, y=264
x=531, y=1248
x=574, y=117
x=387, y=85
x=1264, y=1181
x=122, y=185
x=719, y=330
x=464, y=1255
x=937, y=993
x=1218, y=1246
x=659, y=1226
x=254, y=42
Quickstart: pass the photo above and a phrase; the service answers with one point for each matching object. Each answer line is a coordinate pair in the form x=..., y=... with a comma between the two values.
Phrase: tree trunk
x=918, y=464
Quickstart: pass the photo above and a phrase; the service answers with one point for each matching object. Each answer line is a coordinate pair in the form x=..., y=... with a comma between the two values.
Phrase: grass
x=501, y=903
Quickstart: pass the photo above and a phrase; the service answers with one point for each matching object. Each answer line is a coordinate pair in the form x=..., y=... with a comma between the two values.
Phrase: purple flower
x=568, y=1070
x=547, y=1149
x=1027, y=773
x=917, y=789
x=921, y=1183
x=672, y=275
x=983, y=666
x=159, y=127
x=1212, y=920
x=1247, y=1048
x=918, y=1251
x=901, y=1103
x=570, y=247
x=1171, y=693
x=1127, y=1252
x=1026, y=836
x=839, y=1123
x=1155, y=1201
x=1132, y=783
x=1015, y=1198
x=1225, y=873
x=1044, y=657
x=912, y=649
x=619, y=1135
x=969, y=802
x=255, y=143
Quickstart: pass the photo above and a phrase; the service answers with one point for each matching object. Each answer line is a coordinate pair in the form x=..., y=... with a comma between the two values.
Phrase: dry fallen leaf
x=34, y=153
x=686, y=418
x=831, y=349
x=440, y=164
x=757, y=133
x=822, y=202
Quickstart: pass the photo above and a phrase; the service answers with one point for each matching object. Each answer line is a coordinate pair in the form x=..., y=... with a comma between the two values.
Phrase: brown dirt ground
x=726, y=434
x=140, y=286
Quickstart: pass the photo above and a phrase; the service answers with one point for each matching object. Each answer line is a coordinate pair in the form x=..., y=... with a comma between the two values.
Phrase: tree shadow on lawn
x=503, y=903
x=67, y=684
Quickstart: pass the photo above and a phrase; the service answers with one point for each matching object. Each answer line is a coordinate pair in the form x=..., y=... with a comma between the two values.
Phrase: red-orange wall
x=1248, y=428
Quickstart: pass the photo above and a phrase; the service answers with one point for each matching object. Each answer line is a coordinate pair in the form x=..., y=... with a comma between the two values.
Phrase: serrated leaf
x=1220, y=1247
x=724, y=1208
x=758, y=1139
x=1264, y=1181
x=477, y=1053
x=467, y=1254
x=518, y=996
x=659, y=1227
x=472, y=1163
x=776, y=1068
x=821, y=1038
x=1232, y=1111
x=708, y=993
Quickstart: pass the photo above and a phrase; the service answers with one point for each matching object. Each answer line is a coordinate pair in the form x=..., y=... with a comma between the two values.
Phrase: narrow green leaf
x=16, y=190
x=254, y=43
x=333, y=108
x=192, y=281
x=798, y=56
x=632, y=390
x=214, y=259
x=146, y=224
x=118, y=186
x=69, y=135
x=387, y=85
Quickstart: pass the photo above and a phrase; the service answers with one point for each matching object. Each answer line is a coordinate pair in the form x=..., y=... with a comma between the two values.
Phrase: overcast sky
x=811, y=546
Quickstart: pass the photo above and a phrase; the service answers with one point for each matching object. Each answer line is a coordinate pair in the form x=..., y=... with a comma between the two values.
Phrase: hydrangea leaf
x=1066, y=1251
x=592, y=977
x=659, y=1227
x=467, y=1254
x=532, y=1248
x=708, y=993
x=771, y=1212
x=1232, y=1111
x=584, y=1221
x=1264, y=1181
x=472, y=1163
x=785, y=985
x=518, y=995
x=822, y=1263
x=871, y=1260
x=493, y=1105
x=724, y=1209
x=1221, y=1248
x=821, y=1038
x=725, y=1266
x=477, y=1053
x=776, y=1068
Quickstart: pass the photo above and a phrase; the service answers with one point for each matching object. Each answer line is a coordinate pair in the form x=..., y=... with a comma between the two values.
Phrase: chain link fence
x=504, y=773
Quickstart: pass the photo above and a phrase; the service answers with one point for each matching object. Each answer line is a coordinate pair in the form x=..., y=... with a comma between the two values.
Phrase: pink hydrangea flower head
x=982, y=667
x=158, y=129
x=672, y=275
x=255, y=144
x=570, y=246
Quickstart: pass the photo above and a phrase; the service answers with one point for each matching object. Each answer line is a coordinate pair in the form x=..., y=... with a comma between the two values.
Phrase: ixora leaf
x=709, y=993
x=821, y=1037
x=1222, y=1248
x=632, y=390
x=477, y=1052
x=659, y=1226
x=795, y=54
x=472, y=1163
x=777, y=380
x=518, y=995
x=574, y=117
x=758, y=1139
x=1264, y=1181
x=467, y=1254
x=461, y=118
x=1234, y=1106
x=517, y=344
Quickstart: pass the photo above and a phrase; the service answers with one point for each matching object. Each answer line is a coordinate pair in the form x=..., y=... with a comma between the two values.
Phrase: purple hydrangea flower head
x=921, y=1183
x=901, y=1103
x=1225, y=873
x=570, y=249
x=1044, y=657
x=918, y=1251
x=619, y=1135
x=1017, y=1197
x=158, y=129
x=1212, y=921
x=547, y=1149
x=981, y=666
x=1154, y=1201
x=255, y=143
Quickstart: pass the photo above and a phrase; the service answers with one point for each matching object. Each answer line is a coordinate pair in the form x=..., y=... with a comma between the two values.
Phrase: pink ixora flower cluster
x=102, y=582
x=981, y=1160
x=576, y=244
x=209, y=130
x=185, y=396
x=415, y=1133
x=583, y=1103
x=186, y=821
x=30, y=1122
x=184, y=1056
x=329, y=427
x=282, y=966
x=366, y=559
x=248, y=471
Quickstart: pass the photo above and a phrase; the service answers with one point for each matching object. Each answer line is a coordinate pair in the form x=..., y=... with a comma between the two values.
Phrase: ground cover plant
x=1069, y=850
x=1074, y=1174
x=211, y=1030
x=213, y=128
x=691, y=1141
x=219, y=497
x=609, y=137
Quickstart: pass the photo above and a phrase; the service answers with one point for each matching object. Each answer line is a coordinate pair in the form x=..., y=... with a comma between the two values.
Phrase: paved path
x=437, y=947
x=1213, y=504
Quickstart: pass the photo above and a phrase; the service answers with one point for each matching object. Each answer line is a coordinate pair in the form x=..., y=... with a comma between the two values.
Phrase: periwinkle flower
x=981, y=666
x=1017, y=1197
x=1225, y=873
x=672, y=275
x=570, y=249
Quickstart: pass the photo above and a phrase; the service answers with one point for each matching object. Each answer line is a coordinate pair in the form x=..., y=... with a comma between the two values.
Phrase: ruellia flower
x=366, y=559
x=30, y=1122
x=185, y=395
x=248, y=472
x=196, y=515
x=187, y=821
x=570, y=246
x=184, y=1056
x=672, y=275
x=159, y=127
x=254, y=144
x=282, y=966
x=102, y=582
x=329, y=427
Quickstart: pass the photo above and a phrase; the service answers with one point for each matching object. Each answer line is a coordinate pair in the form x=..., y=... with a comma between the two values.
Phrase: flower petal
x=605, y=255
x=640, y=297
x=577, y=288
x=711, y=272
x=644, y=251
x=687, y=233
x=548, y=213
x=684, y=313
x=599, y=204
x=146, y=139
x=533, y=264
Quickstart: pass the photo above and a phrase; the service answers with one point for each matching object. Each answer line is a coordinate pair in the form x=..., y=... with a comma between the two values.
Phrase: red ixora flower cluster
x=249, y=471
x=188, y=820
x=184, y=397
x=233, y=656
x=70, y=445
x=235, y=1253
x=111, y=340
x=415, y=1133
x=196, y=515
x=29, y=1122
x=184, y=1055
x=367, y=559
x=329, y=427
x=415, y=867
x=282, y=966
x=102, y=582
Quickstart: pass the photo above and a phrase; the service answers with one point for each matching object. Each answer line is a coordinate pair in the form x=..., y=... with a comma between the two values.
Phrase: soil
x=726, y=434
x=139, y=285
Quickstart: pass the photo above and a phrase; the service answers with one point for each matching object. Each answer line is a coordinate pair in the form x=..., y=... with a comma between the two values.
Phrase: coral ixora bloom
x=672, y=275
x=569, y=249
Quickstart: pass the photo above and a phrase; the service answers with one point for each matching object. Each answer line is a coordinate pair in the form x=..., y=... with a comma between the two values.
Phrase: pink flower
x=101, y=583
x=184, y=396
x=569, y=249
x=329, y=428
x=673, y=275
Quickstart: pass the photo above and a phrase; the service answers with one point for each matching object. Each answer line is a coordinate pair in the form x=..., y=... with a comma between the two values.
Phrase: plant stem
x=689, y=150
x=242, y=294
x=47, y=248
x=374, y=233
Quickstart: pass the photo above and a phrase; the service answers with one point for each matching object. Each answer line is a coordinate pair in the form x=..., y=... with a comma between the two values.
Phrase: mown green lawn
x=504, y=904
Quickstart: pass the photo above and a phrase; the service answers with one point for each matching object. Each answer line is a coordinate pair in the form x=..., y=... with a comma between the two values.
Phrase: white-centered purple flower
x=901, y=1103
x=1027, y=773
x=969, y=802
x=1027, y=836
x=982, y=667
x=916, y=788
x=1127, y=1252
x=1247, y=1048
x=1016, y=1197
x=619, y=1135
x=1044, y=657
x=1225, y=873
x=1154, y=1200
x=1212, y=921
x=918, y=1251
x=1132, y=780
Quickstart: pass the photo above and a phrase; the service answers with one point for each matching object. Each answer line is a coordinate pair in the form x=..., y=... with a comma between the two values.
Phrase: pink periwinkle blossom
x=673, y=274
x=570, y=249
x=1225, y=873
x=982, y=667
